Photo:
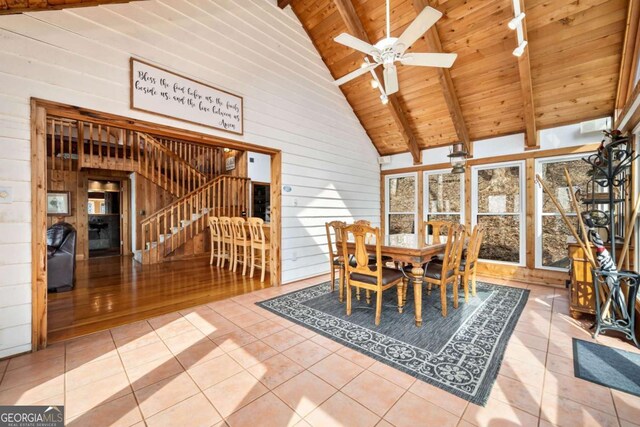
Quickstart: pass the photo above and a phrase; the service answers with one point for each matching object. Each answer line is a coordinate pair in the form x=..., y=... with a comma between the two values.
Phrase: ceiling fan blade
x=352, y=75
x=418, y=27
x=442, y=60
x=390, y=79
x=355, y=43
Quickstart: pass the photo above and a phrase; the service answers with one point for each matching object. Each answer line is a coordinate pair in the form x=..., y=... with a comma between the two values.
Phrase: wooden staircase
x=171, y=227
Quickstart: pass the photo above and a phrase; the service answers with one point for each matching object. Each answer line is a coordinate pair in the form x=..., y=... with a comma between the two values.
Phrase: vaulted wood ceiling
x=574, y=54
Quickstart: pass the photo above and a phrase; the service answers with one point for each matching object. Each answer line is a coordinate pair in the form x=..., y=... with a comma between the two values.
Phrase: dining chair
x=240, y=242
x=336, y=261
x=436, y=228
x=361, y=273
x=227, y=241
x=446, y=272
x=258, y=244
x=216, y=240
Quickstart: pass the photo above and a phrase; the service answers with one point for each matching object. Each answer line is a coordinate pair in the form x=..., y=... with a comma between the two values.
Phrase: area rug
x=461, y=353
x=607, y=366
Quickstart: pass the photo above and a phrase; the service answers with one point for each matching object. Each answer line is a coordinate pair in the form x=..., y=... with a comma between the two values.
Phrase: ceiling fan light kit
x=390, y=50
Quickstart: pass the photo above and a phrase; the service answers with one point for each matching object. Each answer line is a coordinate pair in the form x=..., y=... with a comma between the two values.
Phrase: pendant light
x=458, y=158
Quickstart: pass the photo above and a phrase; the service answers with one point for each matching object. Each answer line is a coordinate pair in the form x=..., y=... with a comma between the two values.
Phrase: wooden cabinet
x=582, y=297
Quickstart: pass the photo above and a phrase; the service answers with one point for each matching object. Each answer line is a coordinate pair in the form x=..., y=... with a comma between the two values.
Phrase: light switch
x=6, y=195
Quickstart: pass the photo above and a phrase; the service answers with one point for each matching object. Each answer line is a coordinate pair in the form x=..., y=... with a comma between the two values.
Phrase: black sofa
x=61, y=257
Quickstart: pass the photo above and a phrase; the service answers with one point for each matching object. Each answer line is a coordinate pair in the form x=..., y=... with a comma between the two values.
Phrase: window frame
x=539, y=215
x=387, y=200
x=523, y=208
x=425, y=195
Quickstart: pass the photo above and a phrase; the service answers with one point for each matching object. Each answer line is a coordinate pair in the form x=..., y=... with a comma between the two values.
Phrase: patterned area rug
x=461, y=353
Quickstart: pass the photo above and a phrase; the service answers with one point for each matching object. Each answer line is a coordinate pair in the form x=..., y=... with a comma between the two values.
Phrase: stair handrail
x=154, y=142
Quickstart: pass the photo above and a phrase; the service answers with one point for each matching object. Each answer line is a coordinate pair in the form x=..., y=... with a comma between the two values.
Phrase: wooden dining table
x=408, y=249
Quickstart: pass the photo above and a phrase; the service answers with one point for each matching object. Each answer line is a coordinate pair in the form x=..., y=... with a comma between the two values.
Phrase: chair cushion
x=434, y=271
x=389, y=275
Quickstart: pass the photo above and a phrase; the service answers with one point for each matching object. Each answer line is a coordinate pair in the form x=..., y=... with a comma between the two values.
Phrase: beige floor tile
x=234, y=393
x=166, y=393
x=51, y=352
x=265, y=328
x=395, y=376
x=118, y=412
x=134, y=335
x=413, y=411
x=185, y=340
x=336, y=370
x=150, y=373
x=283, y=339
x=29, y=393
x=385, y=396
x=236, y=339
x=214, y=371
x=89, y=341
x=568, y=413
x=356, y=357
x=170, y=328
x=559, y=365
x=301, y=330
x=439, y=397
x=327, y=343
x=201, y=352
x=275, y=370
x=341, y=410
x=94, y=371
x=247, y=319
x=498, y=414
x=517, y=394
x=76, y=356
x=530, y=340
x=581, y=391
x=528, y=374
x=253, y=353
x=527, y=355
x=304, y=392
x=266, y=411
x=627, y=406
x=87, y=397
x=141, y=355
x=307, y=353
x=196, y=411
x=43, y=370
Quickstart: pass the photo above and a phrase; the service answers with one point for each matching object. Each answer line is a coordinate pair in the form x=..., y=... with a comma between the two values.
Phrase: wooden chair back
x=214, y=227
x=437, y=228
x=238, y=230
x=358, y=234
x=255, y=230
x=475, y=242
x=337, y=227
x=225, y=228
x=453, y=250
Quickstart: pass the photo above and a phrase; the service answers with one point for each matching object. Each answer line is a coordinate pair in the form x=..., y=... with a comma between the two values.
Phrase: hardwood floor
x=116, y=290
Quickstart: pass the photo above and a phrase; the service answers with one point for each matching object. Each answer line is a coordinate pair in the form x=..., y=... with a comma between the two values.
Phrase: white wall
x=81, y=57
x=558, y=137
x=259, y=167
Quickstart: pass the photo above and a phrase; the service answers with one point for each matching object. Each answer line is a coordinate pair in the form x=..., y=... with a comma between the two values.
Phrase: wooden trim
x=629, y=117
x=38, y=227
x=355, y=27
x=434, y=44
x=526, y=87
x=131, y=78
x=630, y=52
x=420, y=198
x=38, y=5
x=275, y=266
x=108, y=119
x=383, y=222
x=530, y=212
x=283, y=3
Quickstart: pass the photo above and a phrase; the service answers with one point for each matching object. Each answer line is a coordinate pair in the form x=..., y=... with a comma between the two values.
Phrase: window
x=443, y=196
x=498, y=204
x=552, y=234
x=400, y=203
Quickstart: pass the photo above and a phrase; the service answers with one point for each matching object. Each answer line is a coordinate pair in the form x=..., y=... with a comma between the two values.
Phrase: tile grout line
x=546, y=358
x=128, y=379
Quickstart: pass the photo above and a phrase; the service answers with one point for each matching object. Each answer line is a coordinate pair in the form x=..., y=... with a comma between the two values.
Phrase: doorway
x=104, y=218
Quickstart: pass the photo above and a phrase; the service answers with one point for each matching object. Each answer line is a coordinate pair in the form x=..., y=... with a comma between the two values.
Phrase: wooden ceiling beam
x=526, y=87
x=630, y=52
x=434, y=44
x=283, y=3
x=355, y=27
x=16, y=7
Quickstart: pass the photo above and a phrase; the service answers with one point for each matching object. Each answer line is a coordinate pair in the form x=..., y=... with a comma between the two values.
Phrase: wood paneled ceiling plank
x=355, y=27
x=451, y=98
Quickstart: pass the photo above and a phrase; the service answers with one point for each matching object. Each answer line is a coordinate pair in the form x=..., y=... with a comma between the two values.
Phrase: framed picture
x=58, y=203
x=230, y=163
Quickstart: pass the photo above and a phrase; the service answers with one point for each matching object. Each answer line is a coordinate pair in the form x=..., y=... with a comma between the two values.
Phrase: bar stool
x=240, y=241
x=226, y=250
x=258, y=243
x=216, y=240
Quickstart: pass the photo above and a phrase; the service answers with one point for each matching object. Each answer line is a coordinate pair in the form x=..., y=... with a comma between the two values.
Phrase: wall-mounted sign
x=230, y=163
x=168, y=94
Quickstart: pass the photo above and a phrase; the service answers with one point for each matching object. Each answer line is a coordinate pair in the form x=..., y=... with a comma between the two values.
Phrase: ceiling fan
x=390, y=50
